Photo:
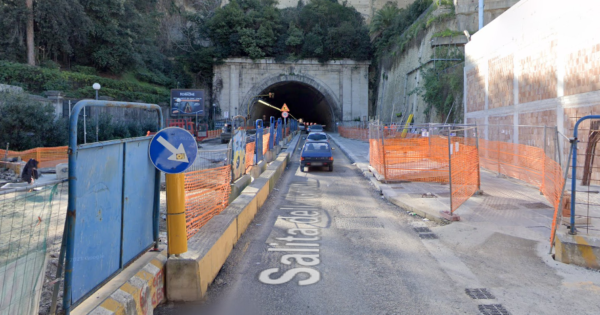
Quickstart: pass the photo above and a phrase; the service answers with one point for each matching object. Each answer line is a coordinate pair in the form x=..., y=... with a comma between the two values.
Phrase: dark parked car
x=316, y=154
x=302, y=128
x=315, y=128
x=226, y=134
x=317, y=136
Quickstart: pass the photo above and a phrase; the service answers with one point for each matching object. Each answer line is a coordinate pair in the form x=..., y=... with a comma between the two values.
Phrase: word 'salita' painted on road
x=295, y=237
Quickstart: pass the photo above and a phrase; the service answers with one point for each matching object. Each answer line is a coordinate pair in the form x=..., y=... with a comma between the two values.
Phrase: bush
x=78, y=85
x=26, y=124
x=84, y=70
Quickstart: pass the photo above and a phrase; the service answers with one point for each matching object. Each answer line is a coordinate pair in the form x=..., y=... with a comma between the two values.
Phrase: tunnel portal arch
x=338, y=87
x=328, y=105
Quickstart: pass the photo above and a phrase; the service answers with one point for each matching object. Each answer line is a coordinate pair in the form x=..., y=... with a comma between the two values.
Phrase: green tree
x=384, y=18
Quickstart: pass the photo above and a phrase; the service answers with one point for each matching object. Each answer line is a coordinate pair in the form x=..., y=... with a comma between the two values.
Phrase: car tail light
x=331, y=158
x=301, y=158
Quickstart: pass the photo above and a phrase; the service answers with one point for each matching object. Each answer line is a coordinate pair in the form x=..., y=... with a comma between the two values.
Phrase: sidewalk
x=508, y=206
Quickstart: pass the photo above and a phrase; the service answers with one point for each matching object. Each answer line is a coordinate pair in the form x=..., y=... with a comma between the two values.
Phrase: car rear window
x=317, y=137
x=316, y=147
x=316, y=128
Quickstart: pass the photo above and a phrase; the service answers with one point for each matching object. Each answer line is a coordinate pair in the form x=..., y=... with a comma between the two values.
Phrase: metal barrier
x=429, y=153
x=582, y=217
x=272, y=132
x=31, y=228
x=279, y=132
x=259, y=141
x=113, y=208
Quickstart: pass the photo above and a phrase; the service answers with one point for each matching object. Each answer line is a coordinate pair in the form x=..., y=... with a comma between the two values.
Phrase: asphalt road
x=326, y=243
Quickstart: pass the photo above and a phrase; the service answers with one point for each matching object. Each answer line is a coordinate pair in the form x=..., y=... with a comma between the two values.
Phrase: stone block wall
x=541, y=64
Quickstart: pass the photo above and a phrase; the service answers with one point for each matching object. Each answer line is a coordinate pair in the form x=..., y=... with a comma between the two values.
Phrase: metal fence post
x=381, y=131
x=450, y=166
x=543, y=184
x=479, y=191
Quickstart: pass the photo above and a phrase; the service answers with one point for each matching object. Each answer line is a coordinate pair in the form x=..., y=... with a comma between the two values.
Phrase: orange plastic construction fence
x=211, y=134
x=464, y=166
x=527, y=163
x=250, y=147
x=415, y=159
x=48, y=157
x=354, y=133
x=206, y=195
x=265, y=143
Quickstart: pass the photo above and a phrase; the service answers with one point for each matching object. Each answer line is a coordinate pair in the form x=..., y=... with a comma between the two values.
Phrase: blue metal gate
x=113, y=209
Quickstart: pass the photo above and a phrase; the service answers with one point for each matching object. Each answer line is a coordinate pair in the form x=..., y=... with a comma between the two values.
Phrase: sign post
x=172, y=151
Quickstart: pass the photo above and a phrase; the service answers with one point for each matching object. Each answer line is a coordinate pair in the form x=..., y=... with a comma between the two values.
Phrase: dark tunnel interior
x=304, y=102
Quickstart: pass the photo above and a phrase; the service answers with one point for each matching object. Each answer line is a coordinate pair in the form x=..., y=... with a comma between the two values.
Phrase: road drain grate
x=492, y=309
x=357, y=223
x=479, y=294
x=422, y=230
x=428, y=236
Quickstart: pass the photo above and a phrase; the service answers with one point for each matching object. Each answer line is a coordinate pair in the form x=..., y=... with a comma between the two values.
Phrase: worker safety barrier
x=265, y=140
x=454, y=154
x=443, y=154
x=206, y=195
x=48, y=157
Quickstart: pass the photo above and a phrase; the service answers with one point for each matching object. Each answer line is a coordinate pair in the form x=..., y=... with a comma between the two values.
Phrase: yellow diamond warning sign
x=285, y=108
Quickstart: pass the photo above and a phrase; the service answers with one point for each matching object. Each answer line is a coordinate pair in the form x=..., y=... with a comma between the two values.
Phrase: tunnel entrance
x=304, y=101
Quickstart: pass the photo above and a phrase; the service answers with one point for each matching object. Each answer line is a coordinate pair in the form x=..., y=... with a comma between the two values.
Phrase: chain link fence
x=31, y=228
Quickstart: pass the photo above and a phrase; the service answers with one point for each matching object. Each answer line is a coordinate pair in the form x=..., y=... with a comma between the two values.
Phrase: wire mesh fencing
x=31, y=229
x=206, y=188
x=464, y=165
x=586, y=181
x=357, y=130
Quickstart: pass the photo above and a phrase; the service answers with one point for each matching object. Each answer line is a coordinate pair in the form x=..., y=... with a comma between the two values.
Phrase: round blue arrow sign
x=173, y=150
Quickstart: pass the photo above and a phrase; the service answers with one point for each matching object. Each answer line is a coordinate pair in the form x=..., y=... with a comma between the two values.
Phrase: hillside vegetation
x=163, y=43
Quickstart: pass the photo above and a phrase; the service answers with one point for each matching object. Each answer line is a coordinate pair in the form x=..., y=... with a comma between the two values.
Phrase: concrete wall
x=344, y=83
x=467, y=15
x=366, y=8
x=396, y=93
x=539, y=64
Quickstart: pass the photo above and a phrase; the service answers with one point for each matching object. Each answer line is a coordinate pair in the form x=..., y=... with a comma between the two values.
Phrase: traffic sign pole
x=176, y=227
x=172, y=151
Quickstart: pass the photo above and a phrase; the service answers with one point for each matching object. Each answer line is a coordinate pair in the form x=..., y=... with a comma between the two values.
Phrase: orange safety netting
x=250, y=148
x=213, y=133
x=265, y=144
x=48, y=157
x=206, y=195
x=527, y=163
x=416, y=159
x=354, y=133
x=464, y=166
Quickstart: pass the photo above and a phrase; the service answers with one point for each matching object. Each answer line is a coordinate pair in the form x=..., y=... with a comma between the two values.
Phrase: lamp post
x=95, y=86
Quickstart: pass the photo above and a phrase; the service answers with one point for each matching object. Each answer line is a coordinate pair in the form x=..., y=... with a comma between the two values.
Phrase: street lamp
x=95, y=86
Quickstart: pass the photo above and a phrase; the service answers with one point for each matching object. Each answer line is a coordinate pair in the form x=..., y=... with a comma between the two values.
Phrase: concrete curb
x=136, y=290
x=189, y=276
x=581, y=250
